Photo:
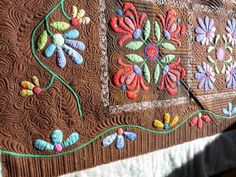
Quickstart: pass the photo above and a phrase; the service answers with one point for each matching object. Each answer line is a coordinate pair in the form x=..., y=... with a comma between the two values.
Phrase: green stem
x=48, y=28
x=143, y=41
x=64, y=12
x=44, y=66
x=160, y=42
x=141, y=65
x=113, y=129
x=50, y=83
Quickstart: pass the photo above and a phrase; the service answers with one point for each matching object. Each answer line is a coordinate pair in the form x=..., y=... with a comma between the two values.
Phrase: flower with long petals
x=172, y=74
x=57, y=144
x=198, y=120
x=206, y=31
x=120, y=134
x=65, y=43
x=128, y=24
x=206, y=77
x=231, y=76
x=129, y=79
x=231, y=29
x=229, y=111
x=173, y=27
x=168, y=122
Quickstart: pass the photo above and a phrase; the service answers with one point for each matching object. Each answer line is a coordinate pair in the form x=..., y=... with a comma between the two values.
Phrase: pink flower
x=198, y=120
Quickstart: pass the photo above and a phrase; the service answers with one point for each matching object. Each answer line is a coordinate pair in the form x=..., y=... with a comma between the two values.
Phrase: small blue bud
x=123, y=88
x=119, y=12
x=166, y=35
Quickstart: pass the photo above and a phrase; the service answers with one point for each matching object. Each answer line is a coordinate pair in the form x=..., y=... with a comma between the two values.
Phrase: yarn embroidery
x=168, y=122
x=135, y=30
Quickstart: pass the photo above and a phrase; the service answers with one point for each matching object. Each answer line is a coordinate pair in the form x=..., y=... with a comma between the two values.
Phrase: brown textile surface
x=23, y=120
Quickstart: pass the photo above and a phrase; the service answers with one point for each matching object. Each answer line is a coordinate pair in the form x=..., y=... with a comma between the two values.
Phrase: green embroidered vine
x=112, y=129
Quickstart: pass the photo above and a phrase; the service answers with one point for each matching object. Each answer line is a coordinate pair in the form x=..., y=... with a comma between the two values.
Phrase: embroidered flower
x=206, y=77
x=222, y=55
x=172, y=74
x=128, y=23
x=29, y=88
x=198, y=120
x=173, y=27
x=206, y=31
x=65, y=43
x=78, y=17
x=56, y=142
x=231, y=76
x=168, y=122
x=120, y=134
x=229, y=111
x=231, y=29
x=130, y=79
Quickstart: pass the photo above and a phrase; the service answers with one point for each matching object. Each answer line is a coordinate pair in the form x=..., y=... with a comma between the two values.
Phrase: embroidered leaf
x=146, y=73
x=157, y=73
x=217, y=38
x=168, y=58
x=229, y=49
x=157, y=31
x=210, y=49
x=60, y=25
x=217, y=70
x=223, y=69
x=225, y=39
x=211, y=59
x=147, y=30
x=134, y=45
x=229, y=60
x=168, y=46
x=42, y=40
x=135, y=58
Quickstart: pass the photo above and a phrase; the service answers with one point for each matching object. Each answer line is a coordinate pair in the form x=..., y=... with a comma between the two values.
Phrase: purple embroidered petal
x=120, y=143
x=210, y=84
x=200, y=37
x=130, y=135
x=225, y=111
x=200, y=69
x=202, y=25
x=230, y=83
x=109, y=139
x=75, y=44
x=74, y=55
x=207, y=85
x=50, y=50
x=61, y=59
x=199, y=30
x=71, y=34
x=207, y=22
x=233, y=82
x=229, y=23
x=201, y=83
x=211, y=24
x=212, y=79
x=199, y=76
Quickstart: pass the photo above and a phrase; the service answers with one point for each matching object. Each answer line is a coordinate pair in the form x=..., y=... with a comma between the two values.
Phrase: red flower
x=171, y=76
x=129, y=79
x=173, y=28
x=198, y=120
x=129, y=24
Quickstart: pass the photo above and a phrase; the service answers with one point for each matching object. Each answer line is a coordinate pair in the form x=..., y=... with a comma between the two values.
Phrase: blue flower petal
x=57, y=137
x=202, y=25
x=74, y=55
x=50, y=50
x=43, y=145
x=71, y=34
x=230, y=107
x=74, y=137
x=200, y=69
x=225, y=111
x=109, y=139
x=75, y=44
x=61, y=59
x=130, y=135
x=199, y=76
x=120, y=143
x=199, y=30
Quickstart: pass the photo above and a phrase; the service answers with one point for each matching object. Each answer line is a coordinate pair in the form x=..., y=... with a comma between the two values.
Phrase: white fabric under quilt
x=199, y=158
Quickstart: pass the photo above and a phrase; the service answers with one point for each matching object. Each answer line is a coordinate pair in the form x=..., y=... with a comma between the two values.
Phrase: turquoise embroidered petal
x=50, y=50
x=71, y=34
x=74, y=137
x=75, y=44
x=43, y=145
x=57, y=137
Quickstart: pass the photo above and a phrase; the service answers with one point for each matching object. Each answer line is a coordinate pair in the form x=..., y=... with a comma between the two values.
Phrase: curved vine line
x=53, y=75
x=112, y=129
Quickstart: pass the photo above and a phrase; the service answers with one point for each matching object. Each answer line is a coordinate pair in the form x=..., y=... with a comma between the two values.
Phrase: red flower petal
x=122, y=63
x=194, y=121
x=118, y=75
x=123, y=25
x=115, y=27
x=132, y=8
x=122, y=39
x=129, y=23
x=131, y=16
x=125, y=75
x=130, y=78
x=171, y=24
x=133, y=85
x=199, y=123
x=161, y=85
x=169, y=83
x=142, y=18
x=132, y=95
x=206, y=118
x=143, y=85
x=161, y=18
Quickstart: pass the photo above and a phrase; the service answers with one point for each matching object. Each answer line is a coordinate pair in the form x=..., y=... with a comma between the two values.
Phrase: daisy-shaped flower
x=198, y=120
x=231, y=76
x=172, y=74
x=231, y=29
x=229, y=111
x=206, y=31
x=120, y=134
x=222, y=55
x=168, y=122
x=173, y=27
x=129, y=79
x=128, y=24
x=57, y=143
x=65, y=43
x=206, y=77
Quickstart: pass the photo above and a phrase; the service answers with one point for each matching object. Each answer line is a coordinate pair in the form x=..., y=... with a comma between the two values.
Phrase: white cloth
x=199, y=158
